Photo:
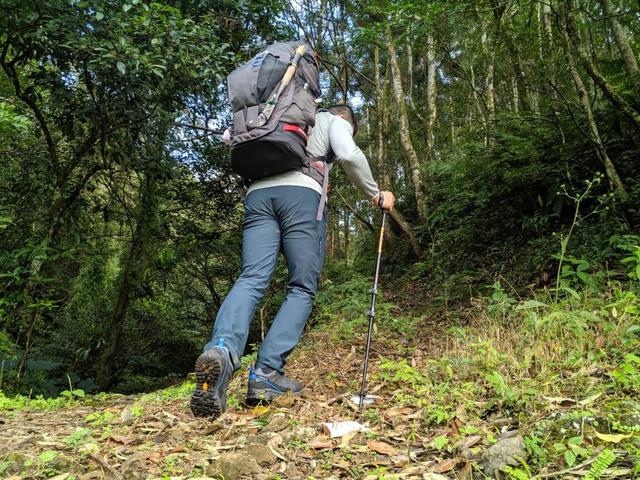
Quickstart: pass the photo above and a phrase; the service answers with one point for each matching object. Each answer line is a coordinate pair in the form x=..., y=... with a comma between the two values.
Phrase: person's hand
x=388, y=200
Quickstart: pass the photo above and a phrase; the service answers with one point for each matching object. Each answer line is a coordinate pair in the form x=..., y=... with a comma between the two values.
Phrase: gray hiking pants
x=276, y=218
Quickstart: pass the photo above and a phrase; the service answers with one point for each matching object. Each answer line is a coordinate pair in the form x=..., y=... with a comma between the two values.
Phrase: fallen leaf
x=398, y=411
x=445, y=465
x=382, y=447
x=260, y=410
x=400, y=461
x=275, y=452
x=121, y=440
x=561, y=401
x=469, y=442
x=62, y=476
x=342, y=464
x=613, y=438
x=154, y=457
x=320, y=443
x=590, y=399
x=287, y=400
x=93, y=475
x=345, y=440
x=433, y=476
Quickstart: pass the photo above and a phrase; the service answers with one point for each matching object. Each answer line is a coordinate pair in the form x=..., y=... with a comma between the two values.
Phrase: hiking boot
x=213, y=374
x=265, y=384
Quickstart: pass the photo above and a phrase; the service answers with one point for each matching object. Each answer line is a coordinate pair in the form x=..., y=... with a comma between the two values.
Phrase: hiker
x=283, y=212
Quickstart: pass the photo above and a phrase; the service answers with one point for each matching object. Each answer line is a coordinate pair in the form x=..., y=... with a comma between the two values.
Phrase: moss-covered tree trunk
x=583, y=96
x=622, y=42
x=405, y=136
x=110, y=352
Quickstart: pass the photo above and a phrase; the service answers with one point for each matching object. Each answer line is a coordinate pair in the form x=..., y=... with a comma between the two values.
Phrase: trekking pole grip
x=380, y=240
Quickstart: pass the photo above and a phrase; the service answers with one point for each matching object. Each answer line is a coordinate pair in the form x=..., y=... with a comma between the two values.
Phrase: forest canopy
x=508, y=129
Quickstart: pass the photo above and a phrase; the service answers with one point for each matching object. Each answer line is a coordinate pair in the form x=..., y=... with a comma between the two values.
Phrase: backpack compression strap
x=326, y=162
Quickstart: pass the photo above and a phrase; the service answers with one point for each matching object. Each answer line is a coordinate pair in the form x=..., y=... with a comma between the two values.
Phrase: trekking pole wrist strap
x=380, y=200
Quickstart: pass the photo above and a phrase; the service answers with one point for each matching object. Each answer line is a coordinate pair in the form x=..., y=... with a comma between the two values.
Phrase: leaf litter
x=316, y=435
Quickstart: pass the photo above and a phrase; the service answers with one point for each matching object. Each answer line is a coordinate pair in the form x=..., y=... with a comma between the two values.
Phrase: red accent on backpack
x=295, y=129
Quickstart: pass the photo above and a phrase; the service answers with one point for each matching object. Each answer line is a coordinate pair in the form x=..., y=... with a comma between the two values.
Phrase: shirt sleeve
x=352, y=159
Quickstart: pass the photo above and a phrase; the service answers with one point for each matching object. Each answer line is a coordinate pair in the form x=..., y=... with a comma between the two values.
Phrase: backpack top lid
x=252, y=83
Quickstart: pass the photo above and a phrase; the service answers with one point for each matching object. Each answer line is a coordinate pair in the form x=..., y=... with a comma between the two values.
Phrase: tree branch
x=10, y=71
x=366, y=222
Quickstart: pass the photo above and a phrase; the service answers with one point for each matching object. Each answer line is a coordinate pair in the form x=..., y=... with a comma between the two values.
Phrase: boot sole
x=207, y=400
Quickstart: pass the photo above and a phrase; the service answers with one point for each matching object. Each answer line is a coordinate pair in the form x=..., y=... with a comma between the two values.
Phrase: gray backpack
x=271, y=118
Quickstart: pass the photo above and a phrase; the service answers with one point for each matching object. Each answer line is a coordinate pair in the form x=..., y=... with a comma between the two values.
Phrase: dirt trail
x=142, y=437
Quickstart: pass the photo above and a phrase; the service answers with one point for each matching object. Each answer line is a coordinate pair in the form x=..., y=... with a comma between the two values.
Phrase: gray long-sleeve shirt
x=330, y=131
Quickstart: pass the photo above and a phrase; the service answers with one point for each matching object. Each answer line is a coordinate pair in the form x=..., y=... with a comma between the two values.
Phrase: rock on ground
x=505, y=452
x=234, y=466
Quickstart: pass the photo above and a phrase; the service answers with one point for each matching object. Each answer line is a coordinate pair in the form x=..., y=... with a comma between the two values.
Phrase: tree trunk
x=601, y=152
x=345, y=227
x=382, y=116
x=410, y=71
x=587, y=63
x=384, y=180
x=452, y=124
x=476, y=98
x=503, y=22
x=431, y=97
x=110, y=352
x=367, y=113
x=405, y=136
x=332, y=236
x=548, y=23
x=404, y=226
x=488, y=88
x=623, y=45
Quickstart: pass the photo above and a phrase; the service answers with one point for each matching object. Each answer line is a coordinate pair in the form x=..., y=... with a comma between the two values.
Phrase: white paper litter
x=340, y=429
x=368, y=400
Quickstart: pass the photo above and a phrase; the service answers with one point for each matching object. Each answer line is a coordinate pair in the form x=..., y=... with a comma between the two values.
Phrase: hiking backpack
x=269, y=135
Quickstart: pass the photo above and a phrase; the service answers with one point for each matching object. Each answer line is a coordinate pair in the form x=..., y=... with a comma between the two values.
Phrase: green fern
x=619, y=427
x=600, y=464
x=517, y=473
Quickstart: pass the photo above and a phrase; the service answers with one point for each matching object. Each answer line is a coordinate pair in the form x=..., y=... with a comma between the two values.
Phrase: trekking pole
x=286, y=79
x=372, y=317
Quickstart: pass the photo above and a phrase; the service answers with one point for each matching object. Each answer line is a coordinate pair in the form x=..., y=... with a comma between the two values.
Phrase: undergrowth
x=561, y=366
x=566, y=372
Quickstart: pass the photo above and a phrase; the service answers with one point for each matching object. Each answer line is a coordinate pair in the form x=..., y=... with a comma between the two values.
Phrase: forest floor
x=459, y=398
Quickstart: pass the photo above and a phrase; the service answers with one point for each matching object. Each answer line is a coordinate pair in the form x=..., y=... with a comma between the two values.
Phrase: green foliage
x=343, y=308
x=502, y=389
x=517, y=473
x=630, y=244
x=401, y=372
x=47, y=456
x=600, y=464
x=119, y=216
x=500, y=301
x=10, y=122
x=440, y=442
x=105, y=199
x=79, y=437
x=627, y=375
x=98, y=419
